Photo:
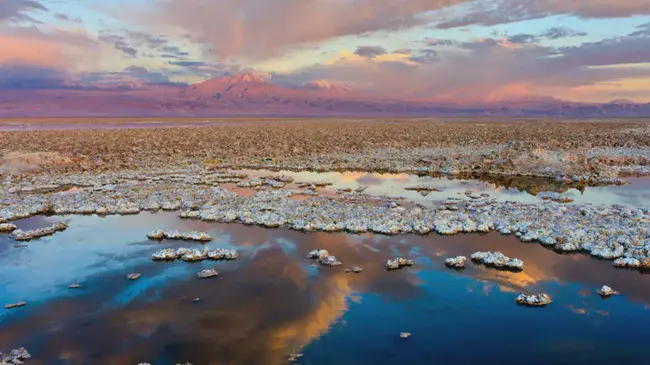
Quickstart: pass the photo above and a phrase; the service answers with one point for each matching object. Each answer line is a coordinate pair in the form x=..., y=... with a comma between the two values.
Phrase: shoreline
x=603, y=231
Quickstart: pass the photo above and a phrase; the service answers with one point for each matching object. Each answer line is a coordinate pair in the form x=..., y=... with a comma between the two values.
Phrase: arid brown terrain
x=479, y=146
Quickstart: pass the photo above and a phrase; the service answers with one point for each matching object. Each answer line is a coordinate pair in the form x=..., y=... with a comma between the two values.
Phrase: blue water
x=272, y=301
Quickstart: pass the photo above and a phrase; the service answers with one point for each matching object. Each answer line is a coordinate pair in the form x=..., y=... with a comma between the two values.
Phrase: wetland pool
x=272, y=301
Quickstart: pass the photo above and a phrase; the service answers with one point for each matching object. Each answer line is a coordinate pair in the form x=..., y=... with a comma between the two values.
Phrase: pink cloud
x=485, y=70
x=32, y=51
x=258, y=29
x=54, y=47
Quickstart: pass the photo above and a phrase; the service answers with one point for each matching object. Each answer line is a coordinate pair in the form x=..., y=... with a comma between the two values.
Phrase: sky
x=438, y=50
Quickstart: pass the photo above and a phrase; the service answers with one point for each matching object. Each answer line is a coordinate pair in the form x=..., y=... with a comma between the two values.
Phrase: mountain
x=622, y=101
x=234, y=89
x=253, y=94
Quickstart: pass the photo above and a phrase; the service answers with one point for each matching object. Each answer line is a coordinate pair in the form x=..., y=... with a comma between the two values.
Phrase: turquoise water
x=272, y=301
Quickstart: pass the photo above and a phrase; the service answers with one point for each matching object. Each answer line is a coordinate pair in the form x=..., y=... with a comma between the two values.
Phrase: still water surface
x=272, y=301
x=635, y=193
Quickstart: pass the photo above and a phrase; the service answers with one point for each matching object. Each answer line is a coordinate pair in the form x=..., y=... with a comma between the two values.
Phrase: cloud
x=487, y=69
x=262, y=29
x=28, y=77
x=199, y=70
x=522, y=38
x=481, y=44
x=551, y=33
x=130, y=77
x=17, y=10
x=370, y=51
x=405, y=51
x=187, y=63
x=508, y=11
x=149, y=40
x=204, y=38
x=57, y=48
x=120, y=43
x=130, y=42
x=173, y=52
x=146, y=76
x=425, y=56
x=36, y=77
x=643, y=30
x=435, y=42
x=66, y=18
x=613, y=51
x=561, y=32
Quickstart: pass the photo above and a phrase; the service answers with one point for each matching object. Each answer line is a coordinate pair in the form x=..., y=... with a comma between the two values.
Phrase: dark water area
x=272, y=301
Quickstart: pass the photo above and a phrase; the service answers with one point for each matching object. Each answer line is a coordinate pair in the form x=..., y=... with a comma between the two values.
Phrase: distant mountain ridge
x=253, y=94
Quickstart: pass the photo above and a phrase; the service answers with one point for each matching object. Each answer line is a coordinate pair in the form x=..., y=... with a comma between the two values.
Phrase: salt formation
x=280, y=178
x=608, y=232
x=398, y=263
x=176, y=235
x=194, y=255
x=275, y=184
x=422, y=187
x=15, y=357
x=251, y=183
x=314, y=184
x=354, y=269
x=207, y=273
x=134, y=276
x=457, y=262
x=498, y=260
x=158, y=234
x=323, y=257
x=20, y=235
x=190, y=214
x=295, y=357
x=15, y=305
x=555, y=197
x=223, y=254
x=606, y=291
x=534, y=300
x=167, y=254
x=631, y=263
x=307, y=192
x=7, y=227
x=473, y=195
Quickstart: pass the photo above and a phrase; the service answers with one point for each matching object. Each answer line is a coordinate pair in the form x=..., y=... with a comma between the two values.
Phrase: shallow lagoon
x=272, y=301
x=635, y=193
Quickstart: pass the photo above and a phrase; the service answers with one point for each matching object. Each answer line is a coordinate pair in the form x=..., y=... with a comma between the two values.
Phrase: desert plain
x=278, y=240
